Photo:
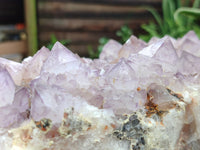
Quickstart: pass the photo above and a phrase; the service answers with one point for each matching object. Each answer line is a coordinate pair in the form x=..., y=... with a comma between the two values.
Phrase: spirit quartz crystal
x=136, y=96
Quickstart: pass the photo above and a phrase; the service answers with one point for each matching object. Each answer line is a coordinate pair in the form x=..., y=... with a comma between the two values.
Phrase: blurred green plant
x=176, y=21
x=53, y=40
x=187, y=11
x=95, y=54
x=192, y=13
x=172, y=23
x=124, y=33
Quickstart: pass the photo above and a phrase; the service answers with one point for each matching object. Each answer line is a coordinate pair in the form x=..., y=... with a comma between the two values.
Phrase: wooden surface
x=13, y=47
x=85, y=21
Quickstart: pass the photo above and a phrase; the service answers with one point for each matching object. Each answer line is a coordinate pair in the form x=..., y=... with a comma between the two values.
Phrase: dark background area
x=11, y=12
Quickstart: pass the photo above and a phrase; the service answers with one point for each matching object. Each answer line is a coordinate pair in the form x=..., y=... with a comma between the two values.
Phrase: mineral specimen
x=136, y=96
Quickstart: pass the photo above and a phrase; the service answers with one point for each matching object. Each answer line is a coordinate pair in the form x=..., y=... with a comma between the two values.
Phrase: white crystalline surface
x=136, y=96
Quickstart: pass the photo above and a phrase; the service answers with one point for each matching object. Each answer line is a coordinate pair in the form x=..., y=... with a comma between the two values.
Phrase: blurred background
x=77, y=23
x=84, y=22
x=82, y=25
x=12, y=29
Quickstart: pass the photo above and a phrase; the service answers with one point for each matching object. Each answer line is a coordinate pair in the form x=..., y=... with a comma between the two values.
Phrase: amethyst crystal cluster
x=136, y=96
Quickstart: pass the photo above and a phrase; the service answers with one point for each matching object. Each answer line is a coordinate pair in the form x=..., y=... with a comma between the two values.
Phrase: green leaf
x=176, y=20
x=145, y=38
x=124, y=33
x=50, y=46
x=53, y=38
x=92, y=53
x=185, y=16
x=103, y=40
x=197, y=30
x=172, y=9
x=151, y=29
x=157, y=18
x=186, y=11
x=168, y=7
x=165, y=9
